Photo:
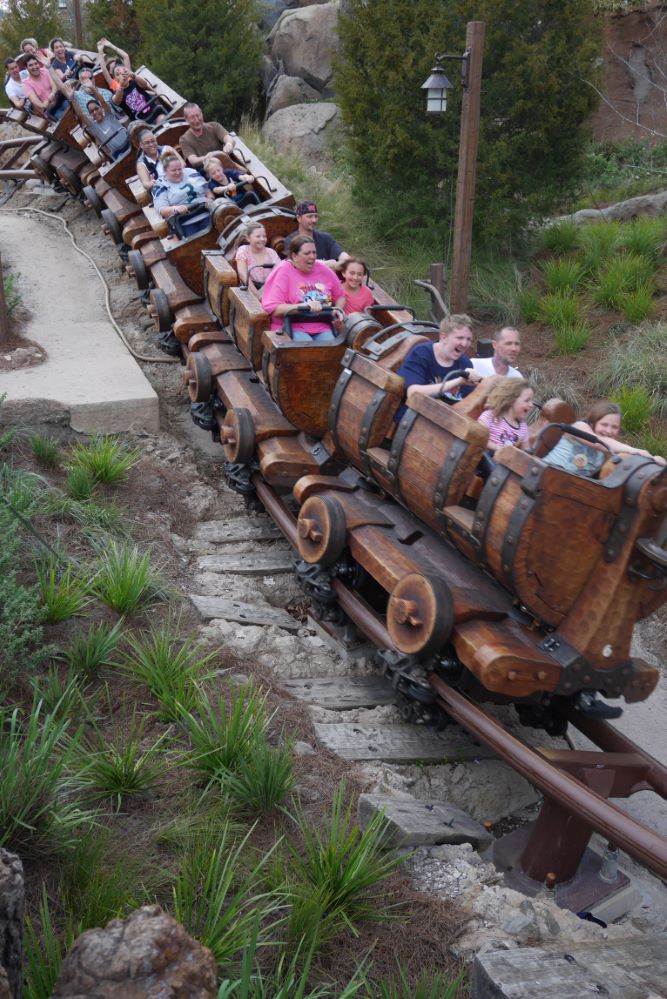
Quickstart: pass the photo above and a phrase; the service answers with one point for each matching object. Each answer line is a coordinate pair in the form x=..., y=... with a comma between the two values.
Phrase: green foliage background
x=209, y=51
x=113, y=19
x=535, y=102
x=38, y=19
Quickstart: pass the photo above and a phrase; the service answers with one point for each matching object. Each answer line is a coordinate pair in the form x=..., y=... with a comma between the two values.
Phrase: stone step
x=413, y=822
x=398, y=743
x=224, y=609
x=633, y=968
x=226, y=532
x=341, y=693
x=268, y=563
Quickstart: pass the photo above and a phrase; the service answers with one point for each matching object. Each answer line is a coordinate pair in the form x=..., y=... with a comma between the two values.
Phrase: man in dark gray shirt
x=327, y=248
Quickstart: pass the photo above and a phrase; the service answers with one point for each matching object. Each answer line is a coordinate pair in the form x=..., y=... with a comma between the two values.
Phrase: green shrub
x=125, y=580
x=653, y=440
x=261, y=780
x=39, y=813
x=429, y=985
x=216, y=896
x=63, y=591
x=564, y=275
x=106, y=458
x=571, y=339
x=644, y=237
x=636, y=407
x=338, y=873
x=62, y=696
x=221, y=34
x=621, y=276
x=89, y=651
x=563, y=237
x=638, y=305
x=225, y=732
x=80, y=483
x=529, y=305
x=45, y=450
x=122, y=766
x=638, y=362
x=598, y=241
x=21, y=611
x=44, y=952
x=171, y=666
x=495, y=289
x=559, y=310
x=12, y=293
x=532, y=120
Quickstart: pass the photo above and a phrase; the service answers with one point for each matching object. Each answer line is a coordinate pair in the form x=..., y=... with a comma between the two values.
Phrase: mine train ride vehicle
x=515, y=581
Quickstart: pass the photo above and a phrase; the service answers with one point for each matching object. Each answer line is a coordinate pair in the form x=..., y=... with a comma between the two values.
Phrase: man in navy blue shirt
x=427, y=365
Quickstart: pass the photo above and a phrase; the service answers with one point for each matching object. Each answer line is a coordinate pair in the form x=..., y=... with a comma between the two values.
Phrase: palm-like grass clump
x=337, y=873
x=64, y=591
x=106, y=458
x=39, y=812
x=171, y=666
x=125, y=579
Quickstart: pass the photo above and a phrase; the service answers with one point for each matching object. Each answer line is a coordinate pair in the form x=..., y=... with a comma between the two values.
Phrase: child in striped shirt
x=510, y=401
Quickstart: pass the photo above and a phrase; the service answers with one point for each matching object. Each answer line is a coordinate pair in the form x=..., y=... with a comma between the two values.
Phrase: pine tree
x=535, y=102
x=38, y=19
x=209, y=51
x=113, y=19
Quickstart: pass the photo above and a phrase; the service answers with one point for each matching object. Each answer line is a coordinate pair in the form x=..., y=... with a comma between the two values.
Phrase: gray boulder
x=306, y=40
x=146, y=956
x=306, y=130
x=289, y=90
x=12, y=905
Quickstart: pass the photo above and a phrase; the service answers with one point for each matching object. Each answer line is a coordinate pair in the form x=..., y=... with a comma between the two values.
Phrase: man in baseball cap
x=328, y=250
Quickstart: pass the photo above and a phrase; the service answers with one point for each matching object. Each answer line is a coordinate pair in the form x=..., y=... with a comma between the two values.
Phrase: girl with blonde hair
x=510, y=401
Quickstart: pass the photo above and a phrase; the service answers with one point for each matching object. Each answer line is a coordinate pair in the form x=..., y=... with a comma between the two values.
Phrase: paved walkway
x=89, y=374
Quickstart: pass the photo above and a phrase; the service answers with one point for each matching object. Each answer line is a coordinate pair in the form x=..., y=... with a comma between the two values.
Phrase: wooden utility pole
x=465, y=183
x=4, y=318
x=78, y=29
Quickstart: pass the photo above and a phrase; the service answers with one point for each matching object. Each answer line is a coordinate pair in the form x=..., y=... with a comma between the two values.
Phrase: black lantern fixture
x=436, y=88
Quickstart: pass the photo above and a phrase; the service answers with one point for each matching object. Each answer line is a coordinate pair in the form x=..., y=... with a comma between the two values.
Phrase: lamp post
x=436, y=87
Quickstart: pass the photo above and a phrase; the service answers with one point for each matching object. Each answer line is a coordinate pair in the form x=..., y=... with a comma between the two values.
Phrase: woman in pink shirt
x=302, y=283
x=510, y=401
x=358, y=296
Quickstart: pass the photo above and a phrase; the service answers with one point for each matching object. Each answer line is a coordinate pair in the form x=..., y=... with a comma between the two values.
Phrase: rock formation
x=146, y=956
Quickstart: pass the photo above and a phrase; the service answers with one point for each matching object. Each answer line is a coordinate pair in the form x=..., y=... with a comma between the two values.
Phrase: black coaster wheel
x=93, y=199
x=138, y=270
x=420, y=614
x=112, y=226
x=44, y=170
x=321, y=530
x=162, y=310
x=70, y=180
x=238, y=436
x=198, y=377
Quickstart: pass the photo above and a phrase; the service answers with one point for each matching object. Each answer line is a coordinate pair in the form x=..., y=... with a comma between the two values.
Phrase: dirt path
x=88, y=373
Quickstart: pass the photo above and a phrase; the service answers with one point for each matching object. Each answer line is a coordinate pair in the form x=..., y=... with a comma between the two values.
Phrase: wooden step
x=265, y=564
x=634, y=968
x=224, y=609
x=341, y=693
x=227, y=532
x=399, y=743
